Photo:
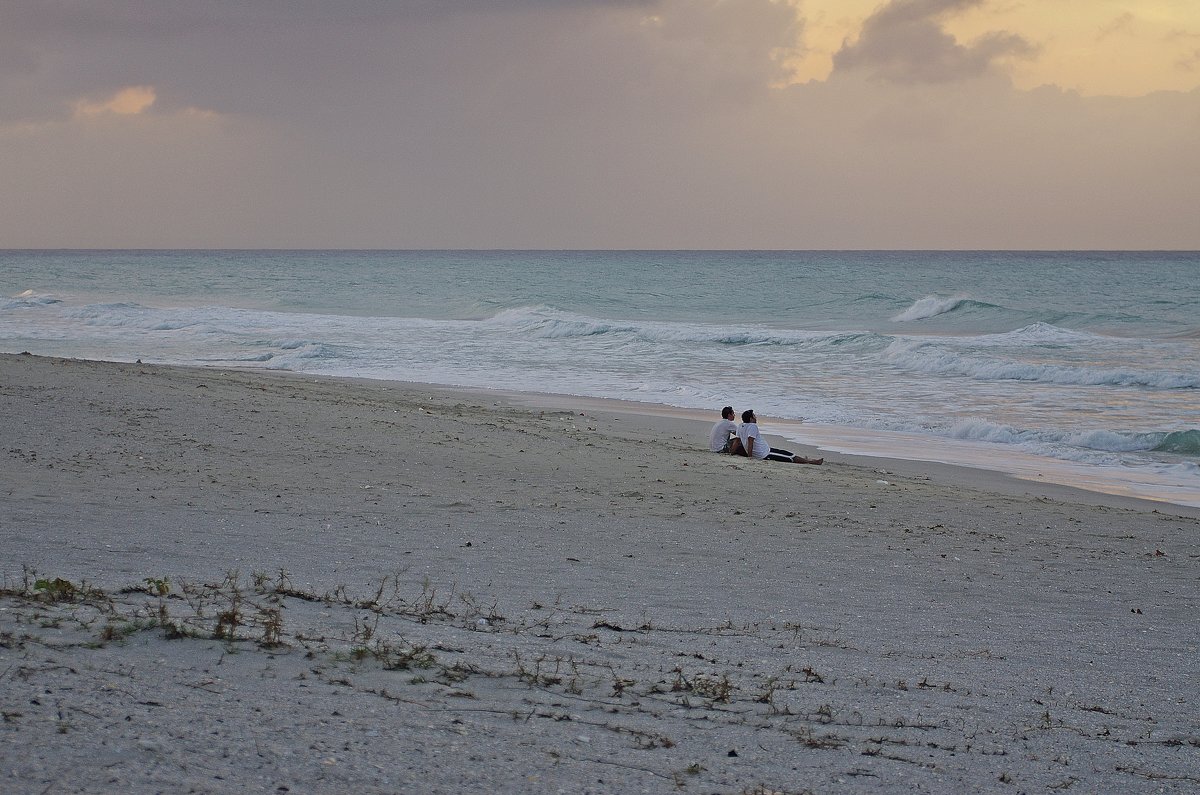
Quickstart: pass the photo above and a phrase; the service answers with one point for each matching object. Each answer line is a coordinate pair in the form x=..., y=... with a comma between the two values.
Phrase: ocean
x=1080, y=368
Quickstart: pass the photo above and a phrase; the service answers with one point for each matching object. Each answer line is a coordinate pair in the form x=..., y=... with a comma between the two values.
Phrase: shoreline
x=1168, y=482
x=985, y=479
x=683, y=421
x=226, y=580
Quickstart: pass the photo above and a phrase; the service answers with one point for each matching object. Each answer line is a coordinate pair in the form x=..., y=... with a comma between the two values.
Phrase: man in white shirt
x=723, y=437
x=753, y=445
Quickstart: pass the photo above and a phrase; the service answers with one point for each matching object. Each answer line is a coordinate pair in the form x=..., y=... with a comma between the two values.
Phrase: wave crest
x=1042, y=334
x=930, y=357
x=1182, y=442
x=932, y=306
x=29, y=299
x=548, y=323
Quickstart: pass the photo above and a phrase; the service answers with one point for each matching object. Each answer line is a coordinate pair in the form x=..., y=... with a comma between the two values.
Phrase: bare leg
x=802, y=460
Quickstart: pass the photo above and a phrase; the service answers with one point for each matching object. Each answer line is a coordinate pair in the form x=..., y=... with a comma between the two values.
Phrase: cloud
x=531, y=123
x=1122, y=24
x=1188, y=60
x=128, y=101
x=144, y=179
x=904, y=42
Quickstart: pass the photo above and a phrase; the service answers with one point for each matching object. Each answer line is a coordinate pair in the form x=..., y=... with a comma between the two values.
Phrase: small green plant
x=415, y=657
x=227, y=623
x=122, y=629
x=229, y=619
x=427, y=607
x=457, y=673
x=620, y=684
x=681, y=684
x=713, y=689
x=364, y=630
x=158, y=586
x=768, y=694
x=56, y=590
x=394, y=658
x=272, y=624
x=539, y=676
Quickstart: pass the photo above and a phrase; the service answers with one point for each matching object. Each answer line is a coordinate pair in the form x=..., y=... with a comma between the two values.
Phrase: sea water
x=1075, y=367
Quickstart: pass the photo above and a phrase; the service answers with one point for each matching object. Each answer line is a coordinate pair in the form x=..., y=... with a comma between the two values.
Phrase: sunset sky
x=600, y=124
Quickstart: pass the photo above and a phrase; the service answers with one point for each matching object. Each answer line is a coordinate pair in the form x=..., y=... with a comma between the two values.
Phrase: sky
x=626, y=124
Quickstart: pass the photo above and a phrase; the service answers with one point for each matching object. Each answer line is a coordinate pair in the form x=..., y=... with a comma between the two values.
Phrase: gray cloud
x=904, y=42
x=1189, y=62
x=1121, y=24
x=562, y=125
x=249, y=57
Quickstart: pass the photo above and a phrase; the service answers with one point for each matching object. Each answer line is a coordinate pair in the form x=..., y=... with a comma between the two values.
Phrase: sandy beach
x=220, y=581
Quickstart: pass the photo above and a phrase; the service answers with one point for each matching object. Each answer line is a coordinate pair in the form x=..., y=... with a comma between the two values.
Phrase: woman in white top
x=753, y=445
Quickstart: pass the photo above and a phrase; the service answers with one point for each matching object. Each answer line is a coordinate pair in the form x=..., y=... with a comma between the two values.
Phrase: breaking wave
x=934, y=305
x=29, y=299
x=935, y=358
x=1182, y=442
x=548, y=323
x=1186, y=443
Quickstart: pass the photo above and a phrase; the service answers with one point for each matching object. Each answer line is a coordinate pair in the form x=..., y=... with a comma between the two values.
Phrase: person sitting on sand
x=723, y=438
x=753, y=445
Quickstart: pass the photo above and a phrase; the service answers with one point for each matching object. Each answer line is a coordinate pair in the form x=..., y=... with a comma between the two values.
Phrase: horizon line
x=265, y=249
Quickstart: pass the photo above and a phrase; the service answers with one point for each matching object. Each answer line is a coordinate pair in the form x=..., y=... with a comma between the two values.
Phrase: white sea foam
x=1112, y=441
x=548, y=323
x=932, y=306
x=1111, y=367
x=1095, y=446
x=940, y=359
x=1186, y=469
x=295, y=357
x=1044, y=334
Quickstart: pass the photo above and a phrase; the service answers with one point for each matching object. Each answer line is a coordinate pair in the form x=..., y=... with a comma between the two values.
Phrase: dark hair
x=748, y=415
x=726, y=412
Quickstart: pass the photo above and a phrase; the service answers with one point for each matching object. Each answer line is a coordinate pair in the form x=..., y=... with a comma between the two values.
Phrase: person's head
x=748, y=416
x=727, y=413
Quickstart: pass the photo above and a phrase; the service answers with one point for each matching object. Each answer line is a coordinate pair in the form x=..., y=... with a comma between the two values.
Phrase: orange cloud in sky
x=1097, y=47
x=129, y=101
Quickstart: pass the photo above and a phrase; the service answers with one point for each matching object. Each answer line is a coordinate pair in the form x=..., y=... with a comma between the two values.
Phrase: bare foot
x=799, y=460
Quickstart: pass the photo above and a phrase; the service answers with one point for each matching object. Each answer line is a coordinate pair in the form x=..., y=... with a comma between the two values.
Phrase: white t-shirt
x=748, y=430
x=720, y=434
